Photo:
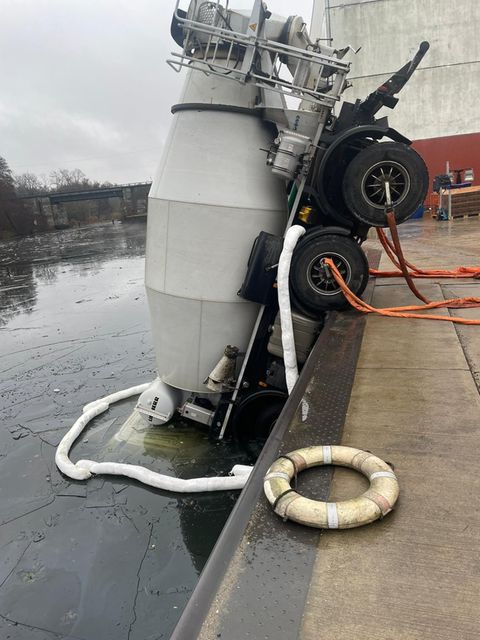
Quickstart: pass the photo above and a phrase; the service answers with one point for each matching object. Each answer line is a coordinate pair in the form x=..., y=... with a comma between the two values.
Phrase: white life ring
x=375, y=503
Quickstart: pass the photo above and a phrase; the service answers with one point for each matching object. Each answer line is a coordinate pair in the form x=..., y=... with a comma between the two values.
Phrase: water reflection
x=107, y=558
x=18, y=292
x=24, y=262
x=182, y=450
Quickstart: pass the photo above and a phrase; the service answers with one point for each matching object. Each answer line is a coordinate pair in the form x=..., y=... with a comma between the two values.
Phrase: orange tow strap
x=459, y=272
x=395, y=253
x=396, y=250
x=403, y=312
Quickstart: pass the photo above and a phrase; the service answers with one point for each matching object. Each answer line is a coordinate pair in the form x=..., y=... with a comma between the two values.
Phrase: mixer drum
x=211, y=197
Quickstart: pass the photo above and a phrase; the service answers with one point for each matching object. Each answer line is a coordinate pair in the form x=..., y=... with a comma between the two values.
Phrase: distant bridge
x=52, y=210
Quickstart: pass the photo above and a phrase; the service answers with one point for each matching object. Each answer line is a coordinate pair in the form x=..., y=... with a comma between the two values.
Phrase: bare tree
x=70, y=180
x=19, y=216
x=13, y=217
x=28, y=184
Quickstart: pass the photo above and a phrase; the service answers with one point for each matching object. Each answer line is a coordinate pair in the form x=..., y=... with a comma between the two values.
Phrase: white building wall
x=443, y=97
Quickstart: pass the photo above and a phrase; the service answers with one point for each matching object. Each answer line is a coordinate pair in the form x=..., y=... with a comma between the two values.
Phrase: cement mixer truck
x=254, y=147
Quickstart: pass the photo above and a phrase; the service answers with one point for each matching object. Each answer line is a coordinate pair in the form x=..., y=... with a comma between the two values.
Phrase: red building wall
x=461, y=151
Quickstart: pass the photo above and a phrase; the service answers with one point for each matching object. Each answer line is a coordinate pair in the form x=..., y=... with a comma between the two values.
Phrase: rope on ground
x=407, y=270
x=416, y=272
x=396, y=249
x=406, y=312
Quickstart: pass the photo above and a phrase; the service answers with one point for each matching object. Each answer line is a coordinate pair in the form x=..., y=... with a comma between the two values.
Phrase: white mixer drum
x=211, y=197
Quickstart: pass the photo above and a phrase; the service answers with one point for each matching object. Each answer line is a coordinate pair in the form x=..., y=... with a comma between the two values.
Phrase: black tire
x=330, y=181
x=298, y=307
x=310, y=283
x=256, y=414
x=363, y=184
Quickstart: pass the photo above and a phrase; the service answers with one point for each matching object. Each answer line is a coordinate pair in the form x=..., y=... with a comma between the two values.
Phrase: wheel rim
x=373, y=183
x=318, y=276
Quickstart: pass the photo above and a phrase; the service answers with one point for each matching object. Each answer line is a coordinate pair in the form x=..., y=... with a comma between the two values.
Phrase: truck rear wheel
x=364, y=182
x=256, y=414
x=313, y=285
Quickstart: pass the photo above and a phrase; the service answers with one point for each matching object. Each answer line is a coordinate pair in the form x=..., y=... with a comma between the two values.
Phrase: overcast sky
x=84, y=84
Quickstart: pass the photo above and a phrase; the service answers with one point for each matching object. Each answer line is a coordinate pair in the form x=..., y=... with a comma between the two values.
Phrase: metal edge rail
x=348, y=327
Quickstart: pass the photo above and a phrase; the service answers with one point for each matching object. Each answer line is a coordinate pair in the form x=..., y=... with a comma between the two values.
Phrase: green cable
x=292, y=195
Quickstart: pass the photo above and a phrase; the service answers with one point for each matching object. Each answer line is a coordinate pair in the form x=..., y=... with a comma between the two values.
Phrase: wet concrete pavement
x=413, y=398
x=105, y=559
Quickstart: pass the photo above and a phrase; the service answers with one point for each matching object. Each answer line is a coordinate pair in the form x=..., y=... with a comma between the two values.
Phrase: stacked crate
x=466, y=202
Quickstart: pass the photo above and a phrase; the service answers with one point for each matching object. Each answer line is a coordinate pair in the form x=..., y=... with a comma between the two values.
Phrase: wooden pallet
x=466, y=202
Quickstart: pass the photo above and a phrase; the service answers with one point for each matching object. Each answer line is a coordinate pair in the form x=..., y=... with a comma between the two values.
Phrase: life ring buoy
x=375, y=503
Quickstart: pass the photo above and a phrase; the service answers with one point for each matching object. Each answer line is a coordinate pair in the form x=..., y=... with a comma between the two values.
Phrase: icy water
x=103, y=559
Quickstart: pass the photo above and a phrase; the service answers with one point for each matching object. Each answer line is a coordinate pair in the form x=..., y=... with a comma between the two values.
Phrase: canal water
x=106, y=559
